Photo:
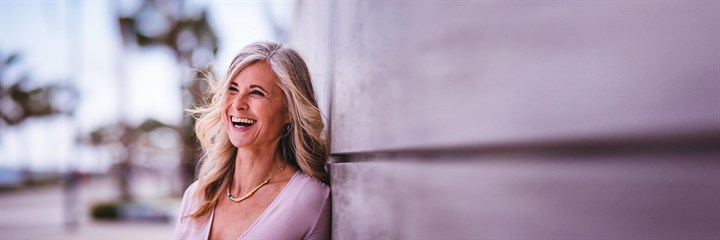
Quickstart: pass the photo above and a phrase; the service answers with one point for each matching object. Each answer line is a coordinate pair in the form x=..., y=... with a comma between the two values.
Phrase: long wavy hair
x=301, y=143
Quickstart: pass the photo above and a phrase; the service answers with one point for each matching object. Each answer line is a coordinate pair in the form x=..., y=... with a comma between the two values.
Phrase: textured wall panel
x=432, y=104
x=416, y=74
x=310, y=36
x=643, y=197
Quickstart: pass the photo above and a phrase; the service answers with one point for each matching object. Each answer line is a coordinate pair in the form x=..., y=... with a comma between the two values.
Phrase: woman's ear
x=288, y=119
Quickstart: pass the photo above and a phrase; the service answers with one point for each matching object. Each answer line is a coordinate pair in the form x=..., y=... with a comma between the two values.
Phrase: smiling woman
x=261, y=136
x=249, y=106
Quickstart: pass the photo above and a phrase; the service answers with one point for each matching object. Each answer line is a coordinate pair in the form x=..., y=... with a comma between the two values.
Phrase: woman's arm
x=184, y=211
x=321, y=229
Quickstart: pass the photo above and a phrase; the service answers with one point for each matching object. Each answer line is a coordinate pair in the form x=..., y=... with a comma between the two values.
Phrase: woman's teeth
x=238, y=121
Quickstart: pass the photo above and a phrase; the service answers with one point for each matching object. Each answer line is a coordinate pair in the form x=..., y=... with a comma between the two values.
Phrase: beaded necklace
x=249, y=194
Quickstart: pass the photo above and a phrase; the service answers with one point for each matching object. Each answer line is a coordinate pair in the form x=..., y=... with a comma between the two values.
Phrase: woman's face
x=255, y=107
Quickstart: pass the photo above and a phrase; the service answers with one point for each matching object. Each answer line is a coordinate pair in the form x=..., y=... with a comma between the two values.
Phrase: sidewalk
x=38, y=213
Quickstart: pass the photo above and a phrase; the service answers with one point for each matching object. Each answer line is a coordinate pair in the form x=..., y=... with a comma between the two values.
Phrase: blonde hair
x=301, y=145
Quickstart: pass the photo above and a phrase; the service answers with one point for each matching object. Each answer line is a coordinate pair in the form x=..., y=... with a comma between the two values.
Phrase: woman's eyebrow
x=233, y=84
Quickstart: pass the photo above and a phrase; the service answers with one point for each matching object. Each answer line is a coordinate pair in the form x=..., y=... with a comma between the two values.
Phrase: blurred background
x=94, y=140
x=586, y=119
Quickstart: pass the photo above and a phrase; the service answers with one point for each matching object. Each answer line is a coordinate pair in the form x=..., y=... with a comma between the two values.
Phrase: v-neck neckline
x=270, y=207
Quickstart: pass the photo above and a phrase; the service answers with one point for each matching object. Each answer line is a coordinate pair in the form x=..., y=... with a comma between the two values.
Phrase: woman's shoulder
x=190, y=200
x=308, y=190
x=189, y=197
x=311, y=184
x=185, y=226
x=190, y=190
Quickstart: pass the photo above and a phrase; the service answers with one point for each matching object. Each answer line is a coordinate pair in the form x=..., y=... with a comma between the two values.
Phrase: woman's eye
x=232, y=89
x=256, y=92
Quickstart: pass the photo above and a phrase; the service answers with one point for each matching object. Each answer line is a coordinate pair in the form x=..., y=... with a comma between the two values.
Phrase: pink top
x=300, y=211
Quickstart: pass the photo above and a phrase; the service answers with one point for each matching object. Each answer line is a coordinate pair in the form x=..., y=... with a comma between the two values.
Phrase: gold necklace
x=249, y=194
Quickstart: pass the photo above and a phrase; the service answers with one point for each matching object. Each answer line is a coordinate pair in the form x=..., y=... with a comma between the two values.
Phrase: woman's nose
x=240, y=103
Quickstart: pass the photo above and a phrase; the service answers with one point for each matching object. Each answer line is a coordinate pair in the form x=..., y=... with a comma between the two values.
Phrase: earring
x=289, y=126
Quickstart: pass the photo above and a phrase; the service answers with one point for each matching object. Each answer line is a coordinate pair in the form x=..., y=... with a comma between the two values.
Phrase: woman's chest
x=230, y=219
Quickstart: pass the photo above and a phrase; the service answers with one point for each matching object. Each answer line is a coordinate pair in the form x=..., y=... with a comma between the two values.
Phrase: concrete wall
x=519, y=119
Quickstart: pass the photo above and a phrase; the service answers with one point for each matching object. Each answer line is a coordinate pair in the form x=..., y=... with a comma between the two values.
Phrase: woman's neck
x=252, y=167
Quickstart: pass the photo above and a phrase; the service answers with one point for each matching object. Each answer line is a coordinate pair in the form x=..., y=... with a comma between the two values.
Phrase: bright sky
x=47, y=32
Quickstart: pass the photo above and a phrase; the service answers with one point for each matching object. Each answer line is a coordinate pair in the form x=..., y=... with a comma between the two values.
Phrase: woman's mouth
x=241, y=122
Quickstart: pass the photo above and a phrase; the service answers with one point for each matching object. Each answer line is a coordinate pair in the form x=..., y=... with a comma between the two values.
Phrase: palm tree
x=190, y=37
x=21, y=102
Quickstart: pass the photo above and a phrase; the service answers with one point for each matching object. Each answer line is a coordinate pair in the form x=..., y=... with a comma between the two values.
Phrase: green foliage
x=106, y=211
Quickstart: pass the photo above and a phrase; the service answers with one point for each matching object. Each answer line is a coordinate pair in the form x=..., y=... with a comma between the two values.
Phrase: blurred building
x=519, y=119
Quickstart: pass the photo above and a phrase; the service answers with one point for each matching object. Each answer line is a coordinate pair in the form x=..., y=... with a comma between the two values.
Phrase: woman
x=263, y=170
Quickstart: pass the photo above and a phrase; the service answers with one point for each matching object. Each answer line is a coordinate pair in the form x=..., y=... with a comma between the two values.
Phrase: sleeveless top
x=300, y=211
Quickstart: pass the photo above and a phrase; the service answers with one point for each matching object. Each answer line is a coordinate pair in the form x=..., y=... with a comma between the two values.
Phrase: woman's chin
x=240, y=143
